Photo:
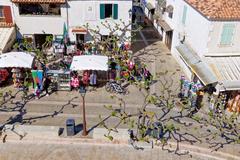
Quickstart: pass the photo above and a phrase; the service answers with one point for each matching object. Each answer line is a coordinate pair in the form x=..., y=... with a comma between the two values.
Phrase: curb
x=98, y=138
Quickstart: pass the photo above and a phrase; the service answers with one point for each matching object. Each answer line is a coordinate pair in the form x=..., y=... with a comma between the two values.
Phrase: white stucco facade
x=40, y=24
x=74, y=14
x=214, y=46
x=196, y=28
x=201, y=35
x=83, y=12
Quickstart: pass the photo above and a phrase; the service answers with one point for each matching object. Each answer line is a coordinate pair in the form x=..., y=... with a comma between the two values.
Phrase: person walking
x=37, y=91
x=46, y=83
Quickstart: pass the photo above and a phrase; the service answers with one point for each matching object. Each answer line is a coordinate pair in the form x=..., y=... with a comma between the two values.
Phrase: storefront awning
x=38, y=1
x=7, y=37
x=89, y=62
x=149, y=6
x=200, y=68
x=227, y=70
x=79, y=30
x=16, y=59
x=164, y=25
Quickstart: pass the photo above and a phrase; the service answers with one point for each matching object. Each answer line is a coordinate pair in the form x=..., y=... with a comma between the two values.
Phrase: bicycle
x=113, y=86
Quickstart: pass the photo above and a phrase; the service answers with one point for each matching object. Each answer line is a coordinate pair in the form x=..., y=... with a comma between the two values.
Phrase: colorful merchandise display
x=37, y=76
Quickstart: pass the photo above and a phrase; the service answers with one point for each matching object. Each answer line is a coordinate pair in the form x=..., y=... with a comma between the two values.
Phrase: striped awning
x=199, y=67
x=149, y=6
x=38, y=1
x=79, y=30
x=227, y=70
x=164, y=25
x=7, y=38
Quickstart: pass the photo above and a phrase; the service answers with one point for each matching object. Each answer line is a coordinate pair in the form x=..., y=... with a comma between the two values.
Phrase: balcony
x=40, y=9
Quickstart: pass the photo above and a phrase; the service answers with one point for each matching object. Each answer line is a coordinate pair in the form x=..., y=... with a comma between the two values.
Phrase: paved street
x=66, y=104
x=44, y=146
x=55, y=109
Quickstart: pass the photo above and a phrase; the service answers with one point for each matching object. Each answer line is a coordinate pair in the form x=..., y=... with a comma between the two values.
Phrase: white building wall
x=40, y=24
x=170, y=21
x=214, y=47
x=196, y=29
x=79, y=15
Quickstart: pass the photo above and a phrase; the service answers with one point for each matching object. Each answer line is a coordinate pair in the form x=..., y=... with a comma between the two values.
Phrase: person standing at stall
x=85, y=78
x=37, y=91
x=46, y=83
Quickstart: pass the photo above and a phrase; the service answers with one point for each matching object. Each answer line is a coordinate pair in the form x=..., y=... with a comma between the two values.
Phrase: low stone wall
x=32, y=131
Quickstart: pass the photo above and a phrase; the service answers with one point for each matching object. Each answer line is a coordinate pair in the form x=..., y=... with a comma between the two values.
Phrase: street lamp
x=82, y=91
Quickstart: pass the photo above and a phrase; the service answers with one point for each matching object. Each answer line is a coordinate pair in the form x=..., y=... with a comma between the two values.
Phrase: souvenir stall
x=98, y=65
x=58, y=46
x=192, y=90
x=60, y=79
x=19, y=62
x=233, y=103
x=229, y=95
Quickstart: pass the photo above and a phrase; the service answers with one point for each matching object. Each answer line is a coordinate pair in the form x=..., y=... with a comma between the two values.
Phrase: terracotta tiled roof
x=6, y=25
x=38, y=1
x=217, y=9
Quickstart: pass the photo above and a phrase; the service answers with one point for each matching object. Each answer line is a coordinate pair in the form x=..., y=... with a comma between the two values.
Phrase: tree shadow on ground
x=21, y=112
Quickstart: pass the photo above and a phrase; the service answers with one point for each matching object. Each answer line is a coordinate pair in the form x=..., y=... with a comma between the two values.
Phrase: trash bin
x=70, y=127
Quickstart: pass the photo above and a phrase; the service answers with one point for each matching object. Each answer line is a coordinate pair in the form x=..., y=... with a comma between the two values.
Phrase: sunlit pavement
x=55, y=109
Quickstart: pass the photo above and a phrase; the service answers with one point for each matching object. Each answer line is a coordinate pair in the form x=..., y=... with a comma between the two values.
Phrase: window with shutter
x=102, y=11
x=184, y=15
x=108, y=11
x=227, y=34
x=115, y=11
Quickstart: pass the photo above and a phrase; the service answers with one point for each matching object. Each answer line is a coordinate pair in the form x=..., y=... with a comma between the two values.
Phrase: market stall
x=19, y=62
x=60, y=79
x=89, y=62
x=95, y=65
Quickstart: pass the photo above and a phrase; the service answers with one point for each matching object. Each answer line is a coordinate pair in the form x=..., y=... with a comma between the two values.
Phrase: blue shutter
x=184, y=15
x=227, y=34
x=102, y=11
x=115, y=11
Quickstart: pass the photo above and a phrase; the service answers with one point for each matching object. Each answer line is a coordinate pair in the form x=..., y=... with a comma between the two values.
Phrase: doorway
x=40, y=39
x=80, y=38
x=168, y=39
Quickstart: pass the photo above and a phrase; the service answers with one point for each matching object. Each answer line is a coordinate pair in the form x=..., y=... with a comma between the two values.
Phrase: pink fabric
x=75, y=82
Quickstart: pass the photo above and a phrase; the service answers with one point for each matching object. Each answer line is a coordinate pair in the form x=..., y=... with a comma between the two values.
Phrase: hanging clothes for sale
x=186, y=88
x=93, y=79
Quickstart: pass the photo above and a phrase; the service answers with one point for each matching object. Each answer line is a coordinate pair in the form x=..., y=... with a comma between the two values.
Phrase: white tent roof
x=90, y=62
x=16, y=59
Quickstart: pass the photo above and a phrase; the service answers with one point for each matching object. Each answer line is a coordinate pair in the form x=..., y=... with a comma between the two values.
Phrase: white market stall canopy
x=16, y=59
x=89, y=62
